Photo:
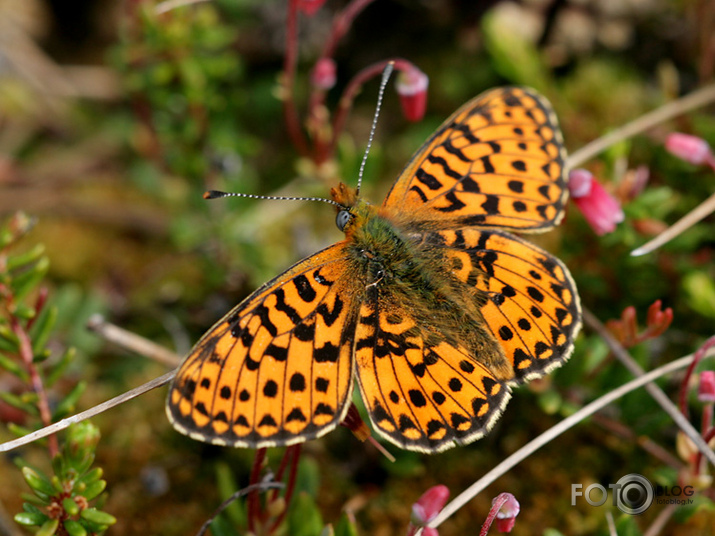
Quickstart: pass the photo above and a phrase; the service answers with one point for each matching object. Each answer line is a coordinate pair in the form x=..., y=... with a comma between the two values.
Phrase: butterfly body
x=429, y=302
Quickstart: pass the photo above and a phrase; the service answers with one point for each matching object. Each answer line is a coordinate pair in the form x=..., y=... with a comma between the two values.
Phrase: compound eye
x=342, y=219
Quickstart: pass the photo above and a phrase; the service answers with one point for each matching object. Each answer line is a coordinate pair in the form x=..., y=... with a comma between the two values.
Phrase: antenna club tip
x=213, y=194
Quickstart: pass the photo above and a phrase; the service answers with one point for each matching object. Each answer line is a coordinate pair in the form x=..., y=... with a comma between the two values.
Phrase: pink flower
x=506, y=516
x=706, y=388
x=690, y=148
x=426, y=509
x=323, y=75
x=309, y=7
x=412, y=88
x=601, y=210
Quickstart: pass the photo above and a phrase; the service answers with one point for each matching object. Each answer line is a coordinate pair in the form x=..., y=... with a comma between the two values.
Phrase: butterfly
x=430, y=303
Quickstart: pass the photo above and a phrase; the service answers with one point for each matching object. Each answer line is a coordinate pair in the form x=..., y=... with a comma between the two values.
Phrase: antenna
x=216, y=194
x=383, y=84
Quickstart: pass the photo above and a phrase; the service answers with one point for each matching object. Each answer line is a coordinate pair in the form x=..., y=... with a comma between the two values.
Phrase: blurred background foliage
x=114, y=119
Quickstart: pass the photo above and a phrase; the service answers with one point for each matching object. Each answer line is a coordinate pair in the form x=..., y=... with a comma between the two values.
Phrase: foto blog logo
x=633, y=494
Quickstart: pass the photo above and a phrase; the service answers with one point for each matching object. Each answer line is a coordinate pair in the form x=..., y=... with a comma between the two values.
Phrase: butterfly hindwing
x=532, y=309
x=421, y=392
x=276, y=370
x=497, y=162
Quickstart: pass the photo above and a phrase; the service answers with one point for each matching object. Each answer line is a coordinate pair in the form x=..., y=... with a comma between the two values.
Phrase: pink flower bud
x=412, y=88
x=706, y=388
x=323, y=75
x=601, y=210
x=309, y=7
x=689, y=148
x=506, y=516
x=429, y=505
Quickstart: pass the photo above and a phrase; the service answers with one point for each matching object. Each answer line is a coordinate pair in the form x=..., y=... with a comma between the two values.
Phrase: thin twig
x=653, y=390
x=555, y=431
x=704, y=209
x=96, y=410
x=132, y=341
x=668, y=111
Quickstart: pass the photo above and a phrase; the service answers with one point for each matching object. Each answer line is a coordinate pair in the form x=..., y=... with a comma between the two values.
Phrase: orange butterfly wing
x=498, y=161
x=277, y=369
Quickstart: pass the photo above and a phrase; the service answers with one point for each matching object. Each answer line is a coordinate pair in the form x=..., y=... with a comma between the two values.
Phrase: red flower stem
x=288, y=80
x=346, y=101
x=683, y=398
x=290, y=486
x=496, y=506
x=342, y=24
x=42, y=404
x=252, y=500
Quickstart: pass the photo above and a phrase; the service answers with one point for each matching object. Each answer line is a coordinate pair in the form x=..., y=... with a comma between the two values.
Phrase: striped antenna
x=383, y=84
x=216, y=194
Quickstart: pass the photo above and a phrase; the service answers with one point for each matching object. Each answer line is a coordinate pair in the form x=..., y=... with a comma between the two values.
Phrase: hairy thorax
x=402, y=270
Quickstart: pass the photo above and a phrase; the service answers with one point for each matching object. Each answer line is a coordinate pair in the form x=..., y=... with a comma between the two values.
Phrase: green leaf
x=48, y=528
x=38, y=482
x=303, y=517
x=30, y=519
x=97, y=516
x=42, y=328
x=227, y=486
x=345, y=527
x=220, y=526
x=700, y=293
x=75, y=528
x=68, y=403
x=70, y=506
x=91, y=476
x=25, y=258
x=513, y=55
x=14, y=368
x=25, y=282
x=19, y=403
x=93, y=489
x=56, y=371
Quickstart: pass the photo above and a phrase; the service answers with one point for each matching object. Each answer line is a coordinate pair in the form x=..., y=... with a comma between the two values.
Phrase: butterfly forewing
x=278, y=368
x=497, y=162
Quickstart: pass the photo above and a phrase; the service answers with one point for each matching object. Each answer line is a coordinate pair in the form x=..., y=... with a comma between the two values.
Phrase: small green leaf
x=304, y=518
x=67, y=405
x=25, y=282
x=19, y=403
x=31, y=508
x=56, y=371
x=97, y=516
x=25, y=258
x=42, y=328
x=226, y=487
x=30, y=519
x=91, y=476
x=23, y=311
x=345, y=527
x=13, y=367
x=95, y=488
x=48, y=528
x=70, y=506
x=75, y=528
x=18, y=430
x=38, y=482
